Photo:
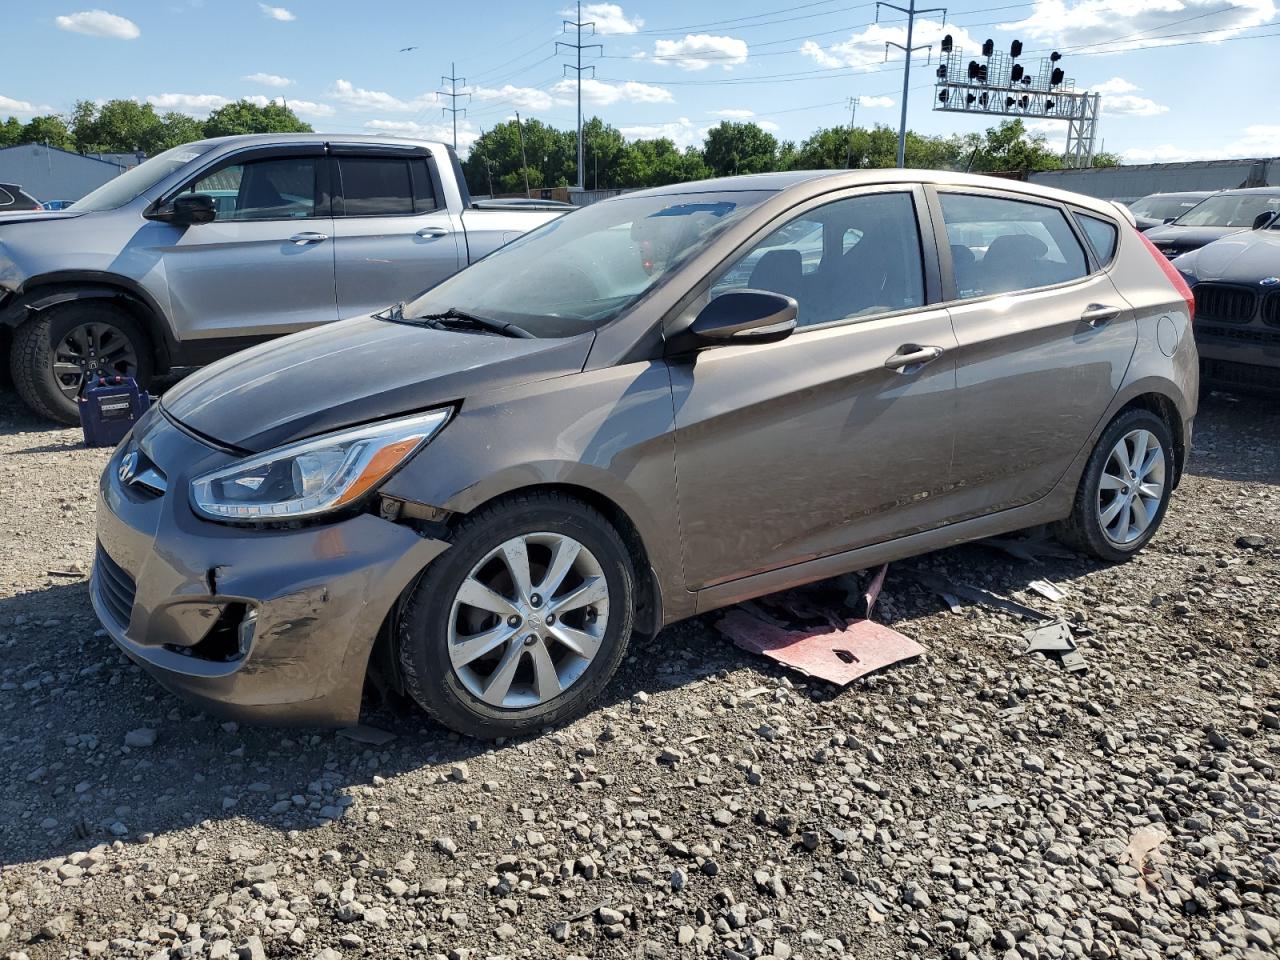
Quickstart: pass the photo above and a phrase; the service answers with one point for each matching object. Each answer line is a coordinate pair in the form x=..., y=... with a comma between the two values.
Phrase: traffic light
x=973, y=69
x=988, y=47
x=1055, y=78
x=1016, y=73
x=947, y=43
x=1015, y=49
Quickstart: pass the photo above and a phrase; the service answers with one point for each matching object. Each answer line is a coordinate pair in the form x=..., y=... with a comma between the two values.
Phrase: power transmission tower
x=908, y=50
x=453, y=95
x=578, y=47
x=852, y=103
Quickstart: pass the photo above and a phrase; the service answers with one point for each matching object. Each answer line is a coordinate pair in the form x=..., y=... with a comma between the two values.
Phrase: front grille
x=1225, y=303
x=116, y=588
x=1234, y=374
x=1271, y=309
x=1238, y=334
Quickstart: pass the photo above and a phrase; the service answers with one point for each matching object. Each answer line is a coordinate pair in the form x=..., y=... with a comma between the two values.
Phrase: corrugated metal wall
x=1130, y=183
x=49, y=174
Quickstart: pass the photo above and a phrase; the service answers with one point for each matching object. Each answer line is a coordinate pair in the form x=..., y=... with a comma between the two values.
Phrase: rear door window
x=1102, y=236
x=376, y=187
x=1000, y=245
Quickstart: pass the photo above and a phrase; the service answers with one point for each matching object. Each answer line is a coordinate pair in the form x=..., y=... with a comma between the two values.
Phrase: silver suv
x=215, y=245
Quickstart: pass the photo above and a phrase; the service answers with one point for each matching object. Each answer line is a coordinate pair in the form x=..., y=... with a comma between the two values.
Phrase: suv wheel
x=523, y=621
x=1125, y=488
x=57, y=350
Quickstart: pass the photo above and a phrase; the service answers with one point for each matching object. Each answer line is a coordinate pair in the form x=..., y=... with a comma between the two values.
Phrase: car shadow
x=1235, y=438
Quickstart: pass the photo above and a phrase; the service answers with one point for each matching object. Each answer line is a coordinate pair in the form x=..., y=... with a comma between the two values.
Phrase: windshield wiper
x=457, y=319
x=394, y=312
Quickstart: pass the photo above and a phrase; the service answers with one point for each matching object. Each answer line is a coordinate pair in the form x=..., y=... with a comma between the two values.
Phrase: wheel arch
x=1163, y=407
x=56, y=289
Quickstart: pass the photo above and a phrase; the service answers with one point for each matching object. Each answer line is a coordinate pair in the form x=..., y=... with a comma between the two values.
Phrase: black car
x=13, y=199
x=1236, y=282
x=1221, y=215
x=1157, y=209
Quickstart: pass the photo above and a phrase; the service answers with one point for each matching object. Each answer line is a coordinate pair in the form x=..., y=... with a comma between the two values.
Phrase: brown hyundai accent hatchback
x=655, y=406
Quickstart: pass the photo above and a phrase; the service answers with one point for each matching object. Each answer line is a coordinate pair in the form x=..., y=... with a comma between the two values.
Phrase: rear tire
x=66, y=334
x=488, y=657
x=1125, y=488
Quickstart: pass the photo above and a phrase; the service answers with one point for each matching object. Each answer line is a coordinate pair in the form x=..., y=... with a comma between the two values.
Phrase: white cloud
x=99, y=23
x=303, y=108
x=524, y=98
x=734, y=114
x=196, y=104
x=876, y=103
x=1140, y=22
x=269, y=79
x=443, y=132
x=683, y=132
x=276, y=13
x=767, y=125
x=697, y=51
x=865, y=48
x=608, y=18
x=377, y=100
x=22, y=107
x=1258, y=140
x=599, y=93
x=1114, y=85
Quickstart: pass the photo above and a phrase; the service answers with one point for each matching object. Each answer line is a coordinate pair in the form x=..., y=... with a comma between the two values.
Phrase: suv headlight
x=313, y=476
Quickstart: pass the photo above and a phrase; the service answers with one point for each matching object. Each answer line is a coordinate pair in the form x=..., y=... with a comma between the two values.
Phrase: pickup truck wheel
x=57, y=350
x=521, y=623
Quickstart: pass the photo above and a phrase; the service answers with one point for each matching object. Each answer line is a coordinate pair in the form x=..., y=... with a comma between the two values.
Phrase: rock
x=251, y=949
x=140, y=738
x=1119, y=917
x=978, y=932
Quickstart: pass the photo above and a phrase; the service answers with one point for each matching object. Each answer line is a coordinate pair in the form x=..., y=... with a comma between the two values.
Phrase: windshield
x=1230, y=210
x=116, y=193
x=577, y=273
x=1159, y=207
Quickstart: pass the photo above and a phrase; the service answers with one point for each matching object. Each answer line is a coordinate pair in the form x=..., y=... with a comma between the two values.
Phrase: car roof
x=1180, y=193
x=818, y=181
x=250, y=139
x=1272, y=191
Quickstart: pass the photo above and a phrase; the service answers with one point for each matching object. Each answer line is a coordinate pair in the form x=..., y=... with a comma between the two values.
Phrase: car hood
x=43, y=216
x=1248, y=258
x=351, y=372
x=1188, y=238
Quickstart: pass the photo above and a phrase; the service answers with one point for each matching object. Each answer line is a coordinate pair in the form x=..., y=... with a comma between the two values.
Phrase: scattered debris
x=960, y=591
x=1143, y=853
x=1054, y=636
x=820, y=641
x=1047, y=590
x=372, y=736
x=1029, y=549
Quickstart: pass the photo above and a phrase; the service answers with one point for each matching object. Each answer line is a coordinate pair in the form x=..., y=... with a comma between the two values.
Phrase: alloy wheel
x=528, y=620
x=1132, y=487
x=88, y=351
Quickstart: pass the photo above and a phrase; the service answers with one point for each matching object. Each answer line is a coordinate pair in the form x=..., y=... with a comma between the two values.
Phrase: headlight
x=313, y=476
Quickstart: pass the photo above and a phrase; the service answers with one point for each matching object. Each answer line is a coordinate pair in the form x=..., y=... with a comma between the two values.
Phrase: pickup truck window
x=385, y=187
x=133, y=183
x=279, y=189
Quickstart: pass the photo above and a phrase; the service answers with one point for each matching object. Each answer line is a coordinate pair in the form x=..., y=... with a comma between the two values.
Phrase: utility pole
x=453, y=95
x=853, y=112
x=524, y=162
x=908, y=50
x=578, y=47
x=488, y=169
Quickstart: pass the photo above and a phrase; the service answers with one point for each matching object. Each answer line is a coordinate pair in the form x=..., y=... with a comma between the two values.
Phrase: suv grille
x=1271, y=309
x=116, y=588
x=1224, y=303
x=1242, y=375
x=1239, y=334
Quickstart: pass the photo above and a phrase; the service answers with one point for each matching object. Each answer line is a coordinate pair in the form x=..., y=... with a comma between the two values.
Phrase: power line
x=578, y=47
x=452, y=93
x=907, y=50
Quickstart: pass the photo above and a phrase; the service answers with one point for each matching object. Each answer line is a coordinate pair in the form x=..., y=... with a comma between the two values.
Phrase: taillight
x=1172, y=273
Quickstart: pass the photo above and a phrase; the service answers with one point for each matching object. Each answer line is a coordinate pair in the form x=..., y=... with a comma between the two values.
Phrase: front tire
x=57, y=350
x=1125, y=489
x=523, y=621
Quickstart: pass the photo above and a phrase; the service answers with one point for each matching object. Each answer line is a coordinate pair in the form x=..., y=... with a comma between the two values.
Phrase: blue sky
x=668, y=68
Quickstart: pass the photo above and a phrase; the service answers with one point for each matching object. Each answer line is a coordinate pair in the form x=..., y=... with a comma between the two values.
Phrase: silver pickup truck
x=212, y=246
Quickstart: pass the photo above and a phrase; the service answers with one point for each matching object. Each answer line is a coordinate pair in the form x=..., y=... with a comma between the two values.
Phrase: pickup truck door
x=264, y=266
x=393, y=233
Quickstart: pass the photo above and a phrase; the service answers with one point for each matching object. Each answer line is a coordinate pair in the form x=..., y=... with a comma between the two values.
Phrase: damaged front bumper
x=264, y=625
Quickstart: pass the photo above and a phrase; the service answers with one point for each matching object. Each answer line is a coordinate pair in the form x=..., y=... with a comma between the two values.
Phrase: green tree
x=177, y=129
x=1009, y=148
x=118, y=126
x=603, y=147
x=656, y=163
x=50, y=129
x=495, y=158
x=244, y=117
x=10, y=132
x=734, y=148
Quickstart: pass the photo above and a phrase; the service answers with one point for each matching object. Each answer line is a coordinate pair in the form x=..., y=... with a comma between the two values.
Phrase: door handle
x=1099, y=314
x=912, y=355
x=308, y=237
x=433, y=233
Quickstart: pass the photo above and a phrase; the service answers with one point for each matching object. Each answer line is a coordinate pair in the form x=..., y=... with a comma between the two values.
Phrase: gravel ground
x=978, y=802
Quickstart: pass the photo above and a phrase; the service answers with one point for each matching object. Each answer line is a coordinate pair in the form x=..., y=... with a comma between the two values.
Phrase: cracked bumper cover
x=320, y=593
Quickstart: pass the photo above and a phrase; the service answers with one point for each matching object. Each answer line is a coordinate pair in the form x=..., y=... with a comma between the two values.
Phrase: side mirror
x=187, y=209
x=1263, y=220
x=740, y=316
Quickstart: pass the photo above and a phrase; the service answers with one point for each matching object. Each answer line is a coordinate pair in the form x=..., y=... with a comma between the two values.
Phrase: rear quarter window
x=6, y=198
x=1102, y=235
